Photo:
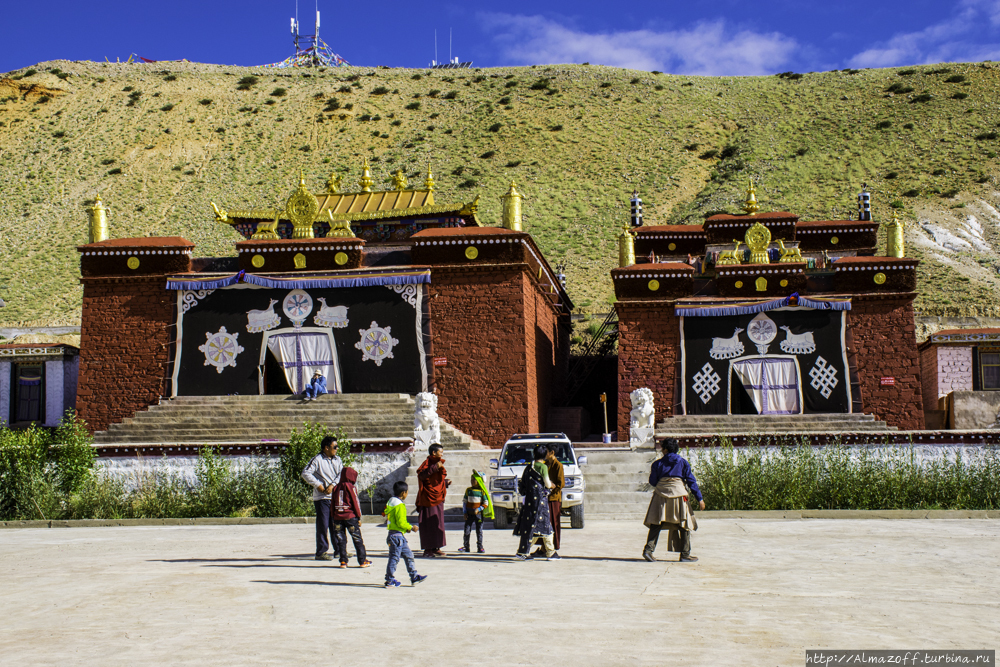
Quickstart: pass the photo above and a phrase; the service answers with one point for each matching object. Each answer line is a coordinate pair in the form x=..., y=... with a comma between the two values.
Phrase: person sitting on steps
x=315, y=387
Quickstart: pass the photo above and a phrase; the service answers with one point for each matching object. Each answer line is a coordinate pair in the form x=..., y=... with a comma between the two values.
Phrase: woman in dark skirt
x=534, y=521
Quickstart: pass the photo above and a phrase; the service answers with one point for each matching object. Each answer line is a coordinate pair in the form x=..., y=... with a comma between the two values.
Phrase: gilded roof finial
x=366, y=177
x=333, y=183
x=750, y=205
x=98, y=221
x=895, y=245
x=399, y=180
x=302, y=179
x=429, y=183
x=626, y=245
x=512, y=208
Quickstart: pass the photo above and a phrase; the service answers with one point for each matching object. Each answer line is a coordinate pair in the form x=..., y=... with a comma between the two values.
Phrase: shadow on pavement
x=316, y=583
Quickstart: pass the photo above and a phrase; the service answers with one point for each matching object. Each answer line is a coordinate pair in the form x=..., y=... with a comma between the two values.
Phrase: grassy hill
x=161, y=141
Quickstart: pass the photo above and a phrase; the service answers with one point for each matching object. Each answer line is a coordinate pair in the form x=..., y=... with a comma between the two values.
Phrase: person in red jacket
x=347, y=517
x=434, y=482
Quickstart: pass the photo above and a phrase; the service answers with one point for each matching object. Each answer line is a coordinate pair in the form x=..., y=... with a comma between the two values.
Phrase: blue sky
x=721, y=37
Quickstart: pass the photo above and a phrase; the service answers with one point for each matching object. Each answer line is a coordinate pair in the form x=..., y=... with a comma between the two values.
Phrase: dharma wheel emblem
x=297, y=306
x=376, y=343
x=220, y=349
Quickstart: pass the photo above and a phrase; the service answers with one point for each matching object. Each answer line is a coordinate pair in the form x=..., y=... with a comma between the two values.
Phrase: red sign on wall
x=887, y=381
x=440, y=361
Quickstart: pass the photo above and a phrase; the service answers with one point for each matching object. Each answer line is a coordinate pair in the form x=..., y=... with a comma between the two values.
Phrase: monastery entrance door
x=771, y=382
x=301, y=352
x=27, y=403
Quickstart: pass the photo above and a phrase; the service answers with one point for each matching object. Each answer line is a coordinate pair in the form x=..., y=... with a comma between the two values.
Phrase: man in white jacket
x=322, y=474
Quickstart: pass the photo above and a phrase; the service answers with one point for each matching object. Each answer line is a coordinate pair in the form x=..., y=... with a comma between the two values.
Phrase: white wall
x=954, y=369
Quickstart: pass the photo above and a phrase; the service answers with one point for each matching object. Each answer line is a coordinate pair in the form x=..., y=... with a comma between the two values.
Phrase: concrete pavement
x=763, y=592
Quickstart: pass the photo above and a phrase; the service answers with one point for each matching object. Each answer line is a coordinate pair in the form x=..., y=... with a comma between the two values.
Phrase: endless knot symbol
x=706, y=383
x=824, y=377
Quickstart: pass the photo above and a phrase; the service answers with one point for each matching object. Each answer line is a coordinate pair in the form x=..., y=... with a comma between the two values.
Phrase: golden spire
x=895, y=244
x=750, y=205
x=626, y=246
x=333, y=183
x=512, y=208
x=429, y=183
x=366, y=177
x=98, y=221
x=399, y=180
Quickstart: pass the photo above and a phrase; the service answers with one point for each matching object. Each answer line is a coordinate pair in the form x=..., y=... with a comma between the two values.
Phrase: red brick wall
x=648, y=350
x=886, y=346
x=929, y=376
x=503, y=344
x=124, y=347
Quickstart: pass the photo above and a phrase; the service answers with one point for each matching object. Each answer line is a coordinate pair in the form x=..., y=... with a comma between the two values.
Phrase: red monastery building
x=385, y=292
x=763, y=313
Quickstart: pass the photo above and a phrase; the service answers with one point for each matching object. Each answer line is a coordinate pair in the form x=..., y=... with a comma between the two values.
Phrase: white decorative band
x=137, y=252
x=466, y=241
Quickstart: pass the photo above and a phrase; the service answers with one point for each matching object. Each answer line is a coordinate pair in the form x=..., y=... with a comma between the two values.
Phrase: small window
x=989, y=365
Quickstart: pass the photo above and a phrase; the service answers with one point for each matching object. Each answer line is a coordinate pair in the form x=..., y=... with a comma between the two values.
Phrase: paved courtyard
x=762, y=593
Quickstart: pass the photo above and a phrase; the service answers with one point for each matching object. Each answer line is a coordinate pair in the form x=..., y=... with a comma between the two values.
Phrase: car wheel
x=500, y=519
x=576, y=516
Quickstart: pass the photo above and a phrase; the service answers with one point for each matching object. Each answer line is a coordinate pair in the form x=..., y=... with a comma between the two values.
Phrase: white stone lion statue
x=426, y=421
x=643, y=409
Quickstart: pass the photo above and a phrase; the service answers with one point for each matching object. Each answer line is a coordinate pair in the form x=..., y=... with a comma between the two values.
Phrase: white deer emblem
x=798, y=343
x=727, y=348
x=263, y=320
x=331, y=316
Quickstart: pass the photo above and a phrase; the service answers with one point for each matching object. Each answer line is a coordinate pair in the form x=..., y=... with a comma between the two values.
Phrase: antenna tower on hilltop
x=310, y=50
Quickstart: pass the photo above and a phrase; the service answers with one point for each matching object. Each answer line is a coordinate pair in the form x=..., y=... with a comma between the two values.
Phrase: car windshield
x=523, y=454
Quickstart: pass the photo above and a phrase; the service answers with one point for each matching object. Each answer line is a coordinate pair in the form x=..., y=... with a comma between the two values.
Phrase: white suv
x=517, y=454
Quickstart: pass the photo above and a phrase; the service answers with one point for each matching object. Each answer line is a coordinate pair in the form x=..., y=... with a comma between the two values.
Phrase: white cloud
x=708, y=48
x=952, y=40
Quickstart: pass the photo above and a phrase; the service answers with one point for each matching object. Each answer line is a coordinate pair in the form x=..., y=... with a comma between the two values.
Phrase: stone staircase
x=709, y=425
x=251, y=419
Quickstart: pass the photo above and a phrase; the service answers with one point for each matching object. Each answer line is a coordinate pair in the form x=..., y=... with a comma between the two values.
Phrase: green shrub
x=451, y=95
x=303, y=445
x=488, y=154
x=205, y=102
x=166, y=107
x=556, y=128
x=413, y=106
x=883, y=125
x=908, y=126
x=986, y=136
x=606, y=84
x=170, y=77
x=728, y=151
x=495, y=127
x=634, y=80
x=709, y=154
x=923, y=97
x=891, y=175
x=955, y=78
x=802, y=151
x=899, y=89
x=113, y=172
x=379, y=90
x=248, y=81
x=960, y=96
x=913, y=192
x=434, y=92
x=906, y=72
x=896, y=204
x=280, y=92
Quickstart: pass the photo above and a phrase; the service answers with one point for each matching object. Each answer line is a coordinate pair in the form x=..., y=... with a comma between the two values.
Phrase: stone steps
x=708, y=425
x=217, y=419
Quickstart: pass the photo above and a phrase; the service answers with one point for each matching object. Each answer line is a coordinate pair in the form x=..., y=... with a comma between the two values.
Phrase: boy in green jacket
x=395, y=513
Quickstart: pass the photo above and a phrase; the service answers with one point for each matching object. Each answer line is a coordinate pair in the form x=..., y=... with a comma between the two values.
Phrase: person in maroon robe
x=434, y=482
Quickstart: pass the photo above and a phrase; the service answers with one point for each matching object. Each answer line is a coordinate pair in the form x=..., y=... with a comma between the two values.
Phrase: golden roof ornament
x=758, y=239
x=429, y=183
x=626, y=246
x=301, y=209
x=366, y=182
x=512, y=208
x=399, y=180
x=895, y=244
x=333, y=183
x=98, y=221
x=750, y=205
x=339, y=229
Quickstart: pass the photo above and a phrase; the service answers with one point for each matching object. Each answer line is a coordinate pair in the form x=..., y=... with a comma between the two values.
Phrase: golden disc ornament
x=834, y=240
x=132, y=263
x=340, y=258
x=672, y=247
x=739, y=284
x=471, y=252
x=257, y=261
x=653, y=285
x=784, y=283
x=879, y=278
x=301, y=208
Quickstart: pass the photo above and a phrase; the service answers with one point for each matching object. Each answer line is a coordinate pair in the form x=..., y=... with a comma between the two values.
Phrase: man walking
x=558, y=480
x=322, y=474
x=671, y=476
